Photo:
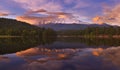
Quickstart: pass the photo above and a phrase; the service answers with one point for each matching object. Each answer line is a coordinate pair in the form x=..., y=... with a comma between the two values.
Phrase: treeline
x=10, y=27
x=92, y=42
x=92, y=31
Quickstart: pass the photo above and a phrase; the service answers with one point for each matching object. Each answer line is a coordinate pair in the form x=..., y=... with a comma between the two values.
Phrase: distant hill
x=14, y=24
x=58, y=27
x=11, y=27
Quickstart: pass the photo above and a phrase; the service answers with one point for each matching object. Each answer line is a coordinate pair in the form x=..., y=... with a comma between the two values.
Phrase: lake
x=59, y=54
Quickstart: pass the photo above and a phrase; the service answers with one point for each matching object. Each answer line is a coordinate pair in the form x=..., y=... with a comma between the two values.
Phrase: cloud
x=70, y=6
x=36, y=20
x=111, y=16
x=36, y=11
x=61, y=14
x=85, y=8
x=27, y=19
x=48, y=17
x=37, y=4
x=11, y=7
x=98, y=20
x=4, y=14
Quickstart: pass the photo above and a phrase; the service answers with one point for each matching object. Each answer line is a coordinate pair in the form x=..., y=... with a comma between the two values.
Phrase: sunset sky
x=84, y=10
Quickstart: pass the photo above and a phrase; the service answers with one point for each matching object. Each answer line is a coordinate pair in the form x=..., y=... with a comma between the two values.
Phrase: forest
x=93, y=32
x=11, y=27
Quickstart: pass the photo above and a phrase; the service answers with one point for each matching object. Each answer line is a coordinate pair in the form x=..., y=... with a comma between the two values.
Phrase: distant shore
x=100, y=36
x=9, y=36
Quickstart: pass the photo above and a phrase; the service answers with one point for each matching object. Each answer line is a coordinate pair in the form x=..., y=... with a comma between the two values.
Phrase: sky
x=32, y=11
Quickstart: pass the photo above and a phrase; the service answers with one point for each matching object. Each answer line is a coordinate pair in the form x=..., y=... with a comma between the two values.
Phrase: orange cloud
x=111, y=15
x=50, y=17
x=36, y=20
x=62, y=16
x=4, y=14
x=27, y=19
x=98, y=20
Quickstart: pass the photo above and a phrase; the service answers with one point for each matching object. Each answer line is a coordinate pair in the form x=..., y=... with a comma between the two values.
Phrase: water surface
x=59, y=54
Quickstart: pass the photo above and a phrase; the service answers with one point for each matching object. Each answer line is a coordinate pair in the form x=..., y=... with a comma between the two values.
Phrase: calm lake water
x=59, y=54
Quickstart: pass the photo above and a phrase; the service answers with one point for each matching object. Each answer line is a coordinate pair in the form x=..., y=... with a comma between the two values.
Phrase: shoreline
x=9, y=36
x=100, y=36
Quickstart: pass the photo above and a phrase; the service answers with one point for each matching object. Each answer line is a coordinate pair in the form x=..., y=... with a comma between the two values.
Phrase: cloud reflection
x=68, y=59
x=72, y=59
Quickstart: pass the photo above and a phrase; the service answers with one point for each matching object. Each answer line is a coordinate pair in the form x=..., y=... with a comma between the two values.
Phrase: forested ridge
x=11, y=27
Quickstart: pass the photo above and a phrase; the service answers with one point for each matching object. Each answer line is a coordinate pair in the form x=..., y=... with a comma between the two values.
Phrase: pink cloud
x=38, y=4
x=111, y=15
x=35, y=11
x=51, y=17
x=36, y=20
x=4, y=12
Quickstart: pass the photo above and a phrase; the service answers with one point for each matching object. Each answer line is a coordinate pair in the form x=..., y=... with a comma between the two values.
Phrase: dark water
x=59, y=54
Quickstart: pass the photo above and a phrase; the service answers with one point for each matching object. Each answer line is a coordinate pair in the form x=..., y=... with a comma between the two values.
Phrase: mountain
x=58, y=27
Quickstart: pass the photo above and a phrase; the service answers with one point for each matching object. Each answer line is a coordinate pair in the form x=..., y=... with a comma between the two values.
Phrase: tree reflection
x=94, y=42
x=12, y=45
